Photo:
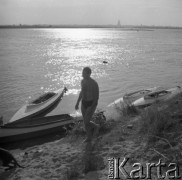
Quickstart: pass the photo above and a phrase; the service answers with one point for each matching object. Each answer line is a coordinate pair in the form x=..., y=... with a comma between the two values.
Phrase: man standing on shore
x=89, y=95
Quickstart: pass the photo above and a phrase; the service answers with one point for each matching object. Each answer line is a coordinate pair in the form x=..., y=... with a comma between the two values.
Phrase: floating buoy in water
x=105, y=62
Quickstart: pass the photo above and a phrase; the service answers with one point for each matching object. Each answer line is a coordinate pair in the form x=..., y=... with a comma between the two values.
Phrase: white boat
x=129, y=98
x=158, y=96
x=21, y=130
x=38, y=105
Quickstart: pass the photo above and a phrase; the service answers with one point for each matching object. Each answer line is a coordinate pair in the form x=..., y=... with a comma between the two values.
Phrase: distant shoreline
x=129, y=27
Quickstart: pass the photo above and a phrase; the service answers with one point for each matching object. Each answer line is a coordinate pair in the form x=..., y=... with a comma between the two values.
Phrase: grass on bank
x=154, y=120
x=159, y=127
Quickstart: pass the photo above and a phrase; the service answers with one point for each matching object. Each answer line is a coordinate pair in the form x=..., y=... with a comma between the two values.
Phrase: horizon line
x=88, y=25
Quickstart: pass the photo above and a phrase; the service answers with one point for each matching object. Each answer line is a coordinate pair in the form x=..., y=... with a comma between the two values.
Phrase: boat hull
x=129, y=98
x=13, y=132
x=162, y=97
x=28, y=111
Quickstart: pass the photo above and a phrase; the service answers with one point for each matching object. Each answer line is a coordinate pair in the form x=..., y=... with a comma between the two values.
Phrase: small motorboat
x=35, y=127
x=38, y=105
x=158, y=96
x=129, y=98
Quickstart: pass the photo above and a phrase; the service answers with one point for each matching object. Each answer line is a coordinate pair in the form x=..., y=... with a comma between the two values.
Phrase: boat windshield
x=43, y=98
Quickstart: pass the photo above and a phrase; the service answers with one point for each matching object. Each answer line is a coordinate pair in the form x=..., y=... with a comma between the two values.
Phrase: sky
x=93, y=12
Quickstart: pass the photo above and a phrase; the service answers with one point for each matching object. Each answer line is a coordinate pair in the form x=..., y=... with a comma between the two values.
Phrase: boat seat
x=156, y=94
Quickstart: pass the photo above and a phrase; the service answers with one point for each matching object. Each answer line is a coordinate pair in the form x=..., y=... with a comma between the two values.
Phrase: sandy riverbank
x=68, y=158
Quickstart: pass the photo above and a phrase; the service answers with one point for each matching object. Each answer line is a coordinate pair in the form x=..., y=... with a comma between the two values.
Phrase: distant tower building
x=119, y=24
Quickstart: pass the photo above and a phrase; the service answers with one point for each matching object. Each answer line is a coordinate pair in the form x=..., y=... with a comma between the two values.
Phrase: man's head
x=86, y=72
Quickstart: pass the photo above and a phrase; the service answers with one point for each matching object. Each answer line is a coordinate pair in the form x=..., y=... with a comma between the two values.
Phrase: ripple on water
x=37, y=60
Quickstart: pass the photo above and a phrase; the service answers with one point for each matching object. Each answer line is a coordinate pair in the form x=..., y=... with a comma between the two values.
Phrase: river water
x=33, y=61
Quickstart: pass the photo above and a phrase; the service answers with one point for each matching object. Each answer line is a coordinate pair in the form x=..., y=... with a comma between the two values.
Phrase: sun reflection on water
x=68, y=52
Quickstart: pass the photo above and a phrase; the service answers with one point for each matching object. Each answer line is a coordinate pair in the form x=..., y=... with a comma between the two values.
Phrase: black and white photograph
x=90, y=89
